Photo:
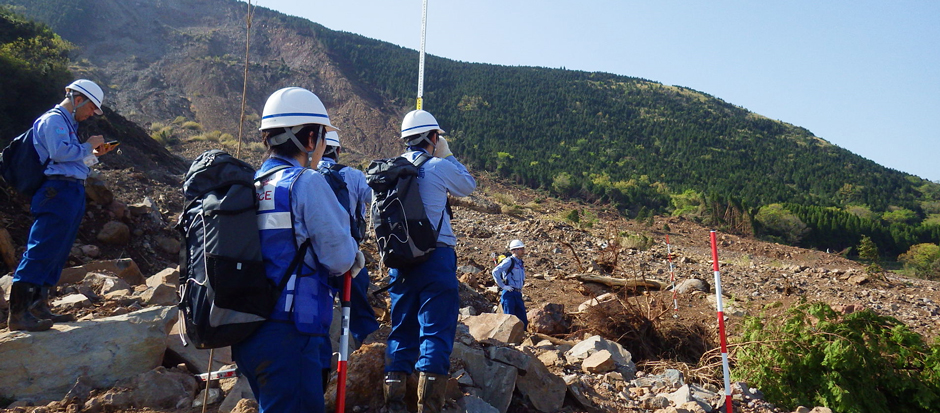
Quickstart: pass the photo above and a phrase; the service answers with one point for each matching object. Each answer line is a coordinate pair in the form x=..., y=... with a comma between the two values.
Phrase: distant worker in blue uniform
x=510, y=277
x=297, y=210
x=58, y=206
x=425, y=300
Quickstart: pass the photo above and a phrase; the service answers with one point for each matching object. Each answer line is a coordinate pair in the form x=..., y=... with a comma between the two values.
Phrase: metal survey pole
x=424, y=27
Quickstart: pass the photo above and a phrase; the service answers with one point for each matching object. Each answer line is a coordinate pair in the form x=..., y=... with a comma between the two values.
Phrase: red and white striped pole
x=721, y=325
x=672, y=276
x=343, y=346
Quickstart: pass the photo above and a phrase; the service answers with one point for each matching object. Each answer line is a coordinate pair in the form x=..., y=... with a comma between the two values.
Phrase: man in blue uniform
x=425, y=300
x=297, y=212
x=58, y=206
x=510, y=277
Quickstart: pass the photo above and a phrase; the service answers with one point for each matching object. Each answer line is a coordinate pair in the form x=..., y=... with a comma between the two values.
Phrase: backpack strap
x=294, y=264
x=271, y=171
x=512, y=264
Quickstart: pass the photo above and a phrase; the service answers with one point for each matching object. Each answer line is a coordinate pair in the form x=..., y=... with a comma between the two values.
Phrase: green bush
x=857, y=363
x=923, y=260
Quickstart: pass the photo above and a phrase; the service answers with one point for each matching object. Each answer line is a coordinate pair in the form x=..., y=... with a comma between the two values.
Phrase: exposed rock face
x=45, y=364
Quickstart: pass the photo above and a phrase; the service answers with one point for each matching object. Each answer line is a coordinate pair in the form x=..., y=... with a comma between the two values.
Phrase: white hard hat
x=294, y=106
x=90, y=90
x=515, y=244
x=332, y=139
x=418, y=122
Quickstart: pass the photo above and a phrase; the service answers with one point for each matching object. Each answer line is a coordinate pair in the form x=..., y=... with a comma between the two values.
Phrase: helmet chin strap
x=71, y=96
x=290, y=134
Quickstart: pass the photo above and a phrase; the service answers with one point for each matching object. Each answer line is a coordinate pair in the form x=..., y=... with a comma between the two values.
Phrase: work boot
x=21, y=297
x=394, y=386
x=431, y=389
x=40, y=307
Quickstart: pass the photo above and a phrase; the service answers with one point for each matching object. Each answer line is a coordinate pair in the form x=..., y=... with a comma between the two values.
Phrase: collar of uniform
x=291, y=161
x=68, y=116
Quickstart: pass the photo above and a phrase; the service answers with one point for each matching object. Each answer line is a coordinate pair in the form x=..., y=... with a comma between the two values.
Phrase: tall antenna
x=241, y=119
x=424, y=27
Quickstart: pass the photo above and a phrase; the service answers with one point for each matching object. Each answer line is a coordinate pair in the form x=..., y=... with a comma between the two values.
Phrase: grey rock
x=44, y=364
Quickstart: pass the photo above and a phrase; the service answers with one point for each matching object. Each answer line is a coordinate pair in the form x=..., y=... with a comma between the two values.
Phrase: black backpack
x=20, y=165
x=403, y=231
x=356, y=225
x=224, y=292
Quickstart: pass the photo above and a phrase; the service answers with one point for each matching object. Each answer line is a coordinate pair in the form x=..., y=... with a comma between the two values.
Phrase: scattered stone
x=241, y=390
x=692, y=284
x=599, y=362
x=91, y=250
x=125, y=269
x=96, y=190
x=163, y=294
x=215, y=395
x=593, y=344
x=168, y=245
x=167, y=276
x=72, y=301
x=115, y=233
x=141, y=208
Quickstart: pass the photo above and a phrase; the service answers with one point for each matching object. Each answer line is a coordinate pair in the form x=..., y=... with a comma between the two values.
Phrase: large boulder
x=540, y=387
x=550, y=319
x=45, y=365
x=506, y=328
x=495, y=379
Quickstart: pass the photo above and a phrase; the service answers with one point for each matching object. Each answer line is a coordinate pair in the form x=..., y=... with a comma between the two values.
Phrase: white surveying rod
x=424, y=27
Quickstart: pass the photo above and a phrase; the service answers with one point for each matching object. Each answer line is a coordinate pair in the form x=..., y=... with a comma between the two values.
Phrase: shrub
x=781, y=222
x=923, y=260
x=857, y=363
x=164, y=136
x=191, y=125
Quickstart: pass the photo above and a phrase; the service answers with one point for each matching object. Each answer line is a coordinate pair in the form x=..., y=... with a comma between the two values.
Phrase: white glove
x=358, y=265
x=508, y=289
x=442, y=149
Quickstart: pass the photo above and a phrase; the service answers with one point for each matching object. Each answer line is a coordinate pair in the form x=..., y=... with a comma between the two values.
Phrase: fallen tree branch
x=620, y=282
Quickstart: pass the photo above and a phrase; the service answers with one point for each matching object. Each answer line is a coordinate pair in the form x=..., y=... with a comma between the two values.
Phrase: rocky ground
x=575, y=357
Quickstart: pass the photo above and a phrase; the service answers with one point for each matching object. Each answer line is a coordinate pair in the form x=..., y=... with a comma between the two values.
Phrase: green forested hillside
x=638, y=144
x=605, y=136
x=34, y=67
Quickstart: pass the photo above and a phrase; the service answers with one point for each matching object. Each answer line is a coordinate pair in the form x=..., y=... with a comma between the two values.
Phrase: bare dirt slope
x=758, y=278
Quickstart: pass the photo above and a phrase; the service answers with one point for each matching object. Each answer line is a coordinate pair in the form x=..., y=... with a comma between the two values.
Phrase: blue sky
x=864, y=75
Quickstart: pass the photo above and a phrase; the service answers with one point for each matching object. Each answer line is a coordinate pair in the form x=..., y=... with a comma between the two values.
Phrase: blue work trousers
x=58, y=207
x=283, y=367
x=425, y=304
x=512, y=304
